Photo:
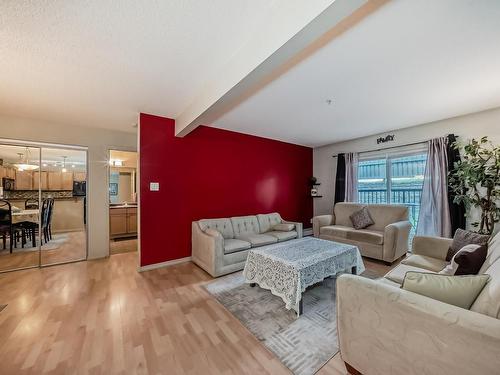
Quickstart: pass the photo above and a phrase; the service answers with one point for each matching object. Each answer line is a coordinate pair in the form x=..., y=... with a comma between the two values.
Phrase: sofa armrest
x=396, y=240
x=321, y=221
x=436, y=247
x=207, y=248
x=386, y=330
x=298, y=227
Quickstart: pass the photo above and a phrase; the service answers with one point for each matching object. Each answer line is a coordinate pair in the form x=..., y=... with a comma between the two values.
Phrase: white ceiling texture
x=408, y=63
x=100, y=63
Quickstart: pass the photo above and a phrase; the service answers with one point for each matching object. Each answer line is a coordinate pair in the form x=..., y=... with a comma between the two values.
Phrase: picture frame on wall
x=113, y=188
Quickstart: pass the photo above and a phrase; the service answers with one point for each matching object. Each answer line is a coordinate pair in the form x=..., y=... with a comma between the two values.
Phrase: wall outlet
x=154, y=186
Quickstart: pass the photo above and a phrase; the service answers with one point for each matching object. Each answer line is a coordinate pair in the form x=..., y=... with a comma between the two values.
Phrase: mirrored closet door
x=42, y=205
x=20, y=212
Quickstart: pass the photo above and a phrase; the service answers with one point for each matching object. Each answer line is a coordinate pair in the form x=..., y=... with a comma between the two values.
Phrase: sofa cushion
x=465, y=237
x=398, y=274
x=493, y=253
x=428, y=263
x=223, y=226
x=361, y=219
x=236, y=257
x=284, y=227
x=382, y=214
x=243, y=225
x=232, y=245
x=459, y=291
x=283, y=236
x=258, y=239
x=268, y=221
x=362, y=235
x=488, y=301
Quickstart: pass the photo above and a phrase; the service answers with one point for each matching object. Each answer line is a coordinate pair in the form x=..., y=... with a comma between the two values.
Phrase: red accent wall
x=213, y=173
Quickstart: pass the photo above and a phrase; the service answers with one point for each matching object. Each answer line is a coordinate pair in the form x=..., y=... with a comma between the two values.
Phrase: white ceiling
x=409, y=63
x=99, y=63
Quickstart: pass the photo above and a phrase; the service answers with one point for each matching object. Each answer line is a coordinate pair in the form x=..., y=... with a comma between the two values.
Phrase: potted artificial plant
x=475, y=181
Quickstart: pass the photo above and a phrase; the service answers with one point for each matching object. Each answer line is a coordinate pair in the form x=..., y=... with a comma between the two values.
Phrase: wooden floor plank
x=104, y=317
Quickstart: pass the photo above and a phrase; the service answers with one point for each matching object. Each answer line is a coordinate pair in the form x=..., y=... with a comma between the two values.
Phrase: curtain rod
x=388, y=148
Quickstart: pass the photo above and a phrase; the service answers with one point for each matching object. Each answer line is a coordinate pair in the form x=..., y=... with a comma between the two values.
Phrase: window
x=394, y=178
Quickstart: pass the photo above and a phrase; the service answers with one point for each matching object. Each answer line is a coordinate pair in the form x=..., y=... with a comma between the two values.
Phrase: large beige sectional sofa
x=385, y=240
x=384, y=329
x=220, y=246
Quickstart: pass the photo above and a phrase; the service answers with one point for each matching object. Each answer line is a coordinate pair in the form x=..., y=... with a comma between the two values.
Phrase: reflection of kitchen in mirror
x=122, y=201
x=42, y=205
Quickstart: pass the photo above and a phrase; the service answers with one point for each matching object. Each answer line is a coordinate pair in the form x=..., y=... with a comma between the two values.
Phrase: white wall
x=98, y=141
x=466, y=127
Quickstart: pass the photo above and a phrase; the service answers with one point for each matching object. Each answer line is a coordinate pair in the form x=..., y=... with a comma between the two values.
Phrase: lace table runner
x=288, y=268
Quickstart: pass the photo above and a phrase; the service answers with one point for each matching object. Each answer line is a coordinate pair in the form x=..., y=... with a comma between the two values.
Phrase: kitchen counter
x=25, y=194
x=123, y=206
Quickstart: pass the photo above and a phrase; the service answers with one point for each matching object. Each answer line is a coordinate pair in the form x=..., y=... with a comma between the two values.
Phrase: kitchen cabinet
x=122, y=221
x=131, y=220
x=60, y=181
x=10, y=173
x=79, y=176
x=67, y=180
x=24, y=180
x=44, y=180
x=7, y=172
x=54, y=181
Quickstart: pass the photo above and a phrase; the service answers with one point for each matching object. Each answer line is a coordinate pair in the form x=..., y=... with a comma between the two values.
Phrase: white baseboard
x=154, y=266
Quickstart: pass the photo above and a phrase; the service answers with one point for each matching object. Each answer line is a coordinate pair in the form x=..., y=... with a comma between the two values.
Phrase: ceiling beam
x=266, y=57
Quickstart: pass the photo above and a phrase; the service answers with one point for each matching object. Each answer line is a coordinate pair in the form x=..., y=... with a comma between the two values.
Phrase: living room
x=317, y=189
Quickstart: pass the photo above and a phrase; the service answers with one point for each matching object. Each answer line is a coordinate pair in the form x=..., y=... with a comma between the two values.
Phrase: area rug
x=303, y=345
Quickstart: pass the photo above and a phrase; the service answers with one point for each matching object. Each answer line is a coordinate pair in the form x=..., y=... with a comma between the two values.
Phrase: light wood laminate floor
x=73, y=248
x=122, y=246
x=103, y=317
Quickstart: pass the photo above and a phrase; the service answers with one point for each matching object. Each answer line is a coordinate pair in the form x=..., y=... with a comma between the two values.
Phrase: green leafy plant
x=475, y=181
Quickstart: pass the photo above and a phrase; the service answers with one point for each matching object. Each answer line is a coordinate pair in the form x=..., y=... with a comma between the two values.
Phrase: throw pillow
x=284, y=227
x=451, y=268
x=460, y=291
x=361, y=218
x=470, y=262
x=465, y=237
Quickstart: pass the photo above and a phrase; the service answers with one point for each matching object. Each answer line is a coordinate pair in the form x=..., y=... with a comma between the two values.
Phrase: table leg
x=354, y=270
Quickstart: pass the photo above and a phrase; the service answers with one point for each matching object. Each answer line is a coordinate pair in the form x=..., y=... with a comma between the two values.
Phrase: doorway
x=42, y=205
x=122, y=202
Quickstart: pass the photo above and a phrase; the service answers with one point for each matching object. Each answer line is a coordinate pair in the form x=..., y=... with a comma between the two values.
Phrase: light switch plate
x=154, y=186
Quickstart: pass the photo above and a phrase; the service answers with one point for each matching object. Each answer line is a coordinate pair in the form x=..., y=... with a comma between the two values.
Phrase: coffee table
x=287, y=269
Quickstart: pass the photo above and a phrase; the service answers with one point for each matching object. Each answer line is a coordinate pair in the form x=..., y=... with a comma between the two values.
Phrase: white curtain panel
x=434, y=218
x=351, y=176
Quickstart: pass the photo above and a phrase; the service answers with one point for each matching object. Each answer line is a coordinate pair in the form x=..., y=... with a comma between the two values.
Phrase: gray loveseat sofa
x=385, y=240
x=220, y=246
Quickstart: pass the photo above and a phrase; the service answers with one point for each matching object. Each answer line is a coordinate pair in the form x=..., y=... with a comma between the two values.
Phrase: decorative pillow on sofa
x=465, y=237
x=361, y=218
x=284, y=227
x=460, y=291
x=467, y=261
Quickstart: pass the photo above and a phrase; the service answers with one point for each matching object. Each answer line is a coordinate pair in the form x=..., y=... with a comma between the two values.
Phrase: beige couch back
x=268, y=221
x=382, y=214
x=224, y=226
x=245, y=225
x=488, y=302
